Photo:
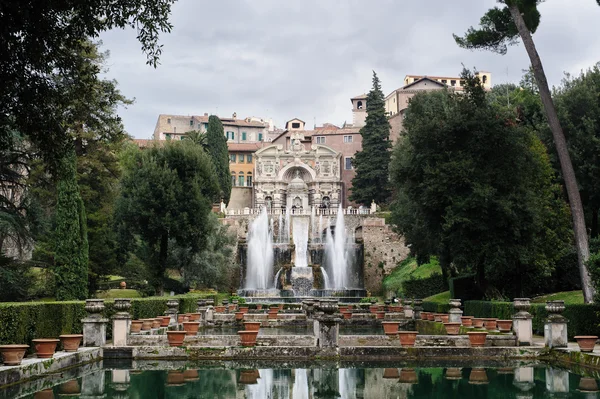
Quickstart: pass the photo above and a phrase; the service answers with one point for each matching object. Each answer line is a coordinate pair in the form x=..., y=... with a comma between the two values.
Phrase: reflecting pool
x=351, y=381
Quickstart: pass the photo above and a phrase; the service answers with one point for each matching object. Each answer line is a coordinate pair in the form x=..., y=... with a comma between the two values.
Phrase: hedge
x=424, y=287
x=435, y=307
x=583, y=319
x=20, y=322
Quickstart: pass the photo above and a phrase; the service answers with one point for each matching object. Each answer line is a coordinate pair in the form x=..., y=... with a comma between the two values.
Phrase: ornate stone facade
x=297, y=178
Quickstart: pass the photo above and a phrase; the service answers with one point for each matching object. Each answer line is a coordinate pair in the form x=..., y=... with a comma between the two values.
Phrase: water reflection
x=316, y=383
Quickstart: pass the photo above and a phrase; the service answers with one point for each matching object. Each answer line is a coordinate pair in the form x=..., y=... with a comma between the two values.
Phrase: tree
x=217, y=149
x=371, y=182
x=71, y=254
x=502, y=27
x=476, y=188
x=49, y=35
x=166, y=196
x=198, y=138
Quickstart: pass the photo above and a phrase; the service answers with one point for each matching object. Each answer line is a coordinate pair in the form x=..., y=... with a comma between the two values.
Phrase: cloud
x=307, y=58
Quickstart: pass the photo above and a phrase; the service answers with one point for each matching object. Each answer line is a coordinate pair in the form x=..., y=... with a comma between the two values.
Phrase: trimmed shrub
x=436, y=307
x=424, y=287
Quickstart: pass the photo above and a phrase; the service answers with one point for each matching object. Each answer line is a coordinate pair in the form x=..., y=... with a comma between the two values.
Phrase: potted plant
x=390, y=327
x=45, y=347
x=191, y=327
x=586, y=342
x=12, y=355
x=252, y=325
x=477, y=338
x=477, y=323
x=176, y=338
x=408, y=338
x=248, y=338
x=504, y=325
x=467, y=321
x=71, y=342
x=452, y=328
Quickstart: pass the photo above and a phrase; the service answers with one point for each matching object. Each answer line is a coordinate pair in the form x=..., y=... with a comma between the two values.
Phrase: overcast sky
x=306, y=58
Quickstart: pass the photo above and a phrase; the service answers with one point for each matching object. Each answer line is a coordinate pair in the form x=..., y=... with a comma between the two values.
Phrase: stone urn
x=390, y=327
x=467, y=321
x=94, y=307
x=452, y=328
x=176, y=338
x=586, y=342
x=122, y=305
x=71, y=342
x=248, y=338
x=478, y=376
x=408, y=338
x=328, y=306
x=252, y=325
x=191, y=327
x=172, y=306
x=136, y=326
x=477, y=323
x=504, y=326
x=554, y=309
x=490, y=324
x=12, y=355
x=477, y=338
x=45, y=347
x=454, y=303
x=522, y=304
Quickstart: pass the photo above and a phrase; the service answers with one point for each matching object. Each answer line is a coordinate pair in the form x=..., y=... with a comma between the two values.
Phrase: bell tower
x=359, y=110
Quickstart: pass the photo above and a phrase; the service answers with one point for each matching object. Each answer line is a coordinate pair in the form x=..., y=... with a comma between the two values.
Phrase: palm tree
x=197, y=137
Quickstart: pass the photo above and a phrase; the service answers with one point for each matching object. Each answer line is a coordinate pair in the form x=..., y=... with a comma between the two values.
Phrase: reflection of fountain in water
x=300, y=388
x=263, y=388
x=336, y=249
x=347, y=383
x=260, y=253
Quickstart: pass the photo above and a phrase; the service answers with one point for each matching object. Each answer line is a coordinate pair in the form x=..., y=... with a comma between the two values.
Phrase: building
x=397, y=101
x=241, y=167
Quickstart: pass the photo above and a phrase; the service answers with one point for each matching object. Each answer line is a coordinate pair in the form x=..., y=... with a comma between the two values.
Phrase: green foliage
x=368, y=299
x=240, y=300
x=219, y=154
x=71, y=255
x=371, y=182
x=570, y=297
x=464, y=288
x=15, y=278
x=442, y=298
x=436, y=307
x=166, y=197
x=593, y=264
x=407, y=270
x=476, y=188
x=424, y=287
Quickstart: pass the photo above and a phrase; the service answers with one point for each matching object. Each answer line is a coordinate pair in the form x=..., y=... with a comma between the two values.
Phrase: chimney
x=206, y=114
x=234, y=115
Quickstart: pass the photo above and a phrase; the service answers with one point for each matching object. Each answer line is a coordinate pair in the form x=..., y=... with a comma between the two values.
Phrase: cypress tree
x=71, y=256
x=219, y=154
x=371, y=182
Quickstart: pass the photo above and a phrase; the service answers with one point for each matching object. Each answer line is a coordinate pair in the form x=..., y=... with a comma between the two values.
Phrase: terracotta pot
x=239, y=316
x=424, y=315
x=437, y=317
x=156, y=323
x=373, y=309
x=259, y=306
x=165, y=321
x=391, y=373
x=504, y=325
x=220, y=309
x=380, y=315
x=12, y=355
x=477, y=338
x=123, y=285
x=478, y=376
x=175, y=378
x=248, y=338
x=444, y=318
x=195, y=316
x=70, y=388
x=347, y=315
x=45, y=347
x=408, y=376
x=244, y=309
x=430, y=316
x=248, y=377
x=252, y=325
x=71, y=342
x=587, y=384
x=452, y=328
x=467, y=321
x=477, y=323
x=280, y=306
x=272, y=315
x=490, y=324
x=408, y=338
x=146, y=324
x=136, y=326
x=45, y=394
x=342, y=309
x=190, y=375
x=231, y=308
x=180, y=318
x=390, y=327
x=453, y=374
x=505, y=370
x=191, y=327
x=176, y=337
x=586, y=342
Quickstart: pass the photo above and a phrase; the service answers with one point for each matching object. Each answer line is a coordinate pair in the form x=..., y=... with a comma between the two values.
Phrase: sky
x=285, y=59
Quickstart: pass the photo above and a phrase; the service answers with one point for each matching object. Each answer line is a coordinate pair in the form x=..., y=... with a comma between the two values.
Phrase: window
x=249, y=180
x=453, y=83
x=295, y=125
x=174, y=129
x=249, y=158
x=182, y=137
x=232, y=158
x=320, y=139
x=444, y=81
x=359, y=105
x=260, y=137
x=347, y=139
x=484, y=80
x=230, y=135
x=168, y=136
x=233, y=179
x=243, y=136
x=191, y=122
x=206, y=126
x=462, y=82
x=169, y=121
x=241, y=158
x=348, y=163
x=241, y=179
x=199, y=126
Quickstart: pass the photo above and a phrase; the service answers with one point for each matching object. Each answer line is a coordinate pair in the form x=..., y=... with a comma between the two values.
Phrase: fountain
x=260, y=254
x=337, y=248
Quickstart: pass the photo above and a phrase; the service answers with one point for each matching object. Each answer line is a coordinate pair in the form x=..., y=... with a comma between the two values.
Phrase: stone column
x=417, y=308
x=454, y=314
x=94, y=326
x=522, y=322
x=408, y=310
x=209, y=309
x=555, y=328
x=557, y=380
x=172, y=310
x=121, y=322
x=201, y=308
x=328, y=324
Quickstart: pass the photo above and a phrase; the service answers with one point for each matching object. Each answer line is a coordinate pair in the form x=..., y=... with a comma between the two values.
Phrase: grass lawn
x=570, y=297
x=118, y=293
x=410, y=269
x=442, y=297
